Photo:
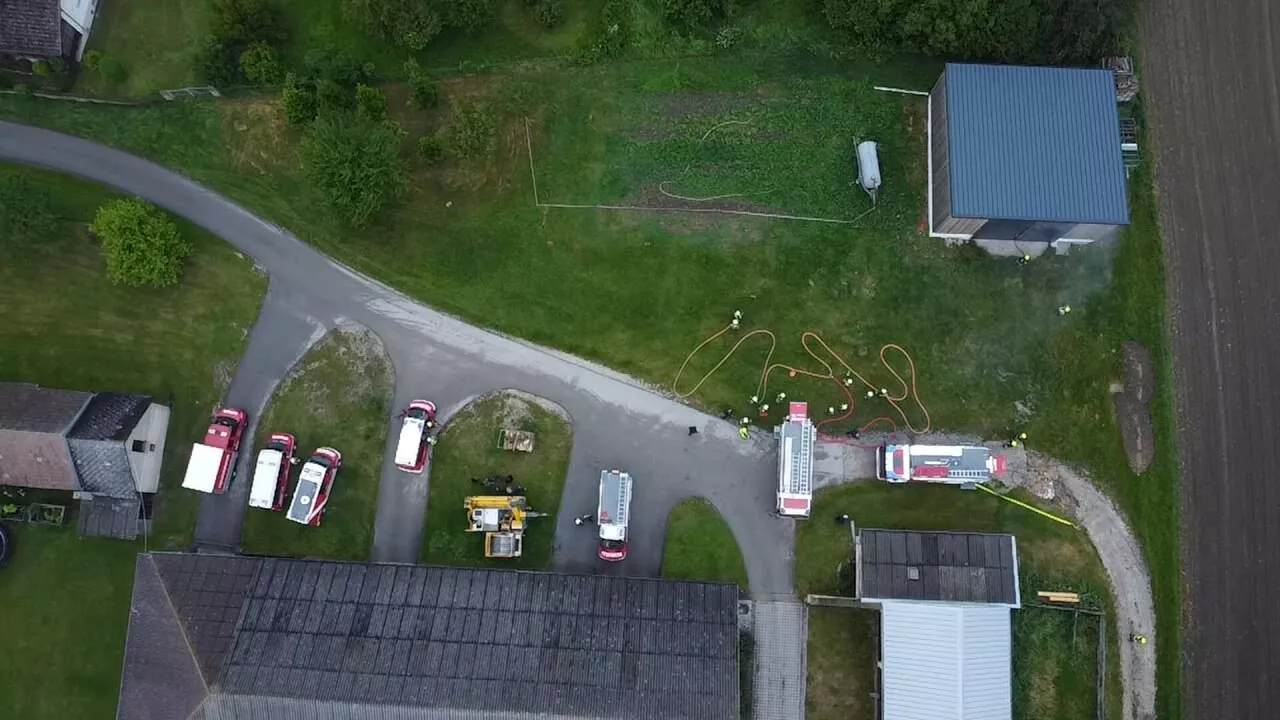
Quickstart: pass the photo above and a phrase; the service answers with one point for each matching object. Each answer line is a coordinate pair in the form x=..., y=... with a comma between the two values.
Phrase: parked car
x=314, y=484
x=412, y=449
x=271, y=474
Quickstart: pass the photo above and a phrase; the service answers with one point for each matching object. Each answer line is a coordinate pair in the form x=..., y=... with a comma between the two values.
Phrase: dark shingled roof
x=280, y=638
x=110, y=416
x=954, y=567
x=1035, y=143
x=103, y=467
x=30, y=28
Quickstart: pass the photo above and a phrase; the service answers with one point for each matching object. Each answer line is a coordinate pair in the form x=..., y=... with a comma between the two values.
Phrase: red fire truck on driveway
x=213, y=462
x=314, y=483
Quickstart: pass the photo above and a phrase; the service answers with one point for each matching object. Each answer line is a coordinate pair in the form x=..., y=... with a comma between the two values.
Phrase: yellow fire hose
x=1030, y=507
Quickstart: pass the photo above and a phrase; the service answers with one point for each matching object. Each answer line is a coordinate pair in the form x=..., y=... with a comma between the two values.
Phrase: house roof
x=110, y=416
x=938, y=566
x=946, y=662
x=277, y=638
x=1035, y=143
x=103, y=467
x=30, y=27
x=32, y=408
x=35, y=460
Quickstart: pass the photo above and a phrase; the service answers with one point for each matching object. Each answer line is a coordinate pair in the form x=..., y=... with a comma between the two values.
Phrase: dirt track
x=1213, y=95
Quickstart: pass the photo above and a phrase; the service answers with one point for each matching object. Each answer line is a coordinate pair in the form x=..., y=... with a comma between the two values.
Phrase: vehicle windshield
x=229, y=422
x=275, y=445
x=416, y=414
x=321, y=460
x=613, y=544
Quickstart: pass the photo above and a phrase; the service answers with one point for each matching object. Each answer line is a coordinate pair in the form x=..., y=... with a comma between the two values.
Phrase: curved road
x=617, y=422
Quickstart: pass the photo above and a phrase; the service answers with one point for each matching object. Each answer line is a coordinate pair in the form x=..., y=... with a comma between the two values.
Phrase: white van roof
x=410, y=441
x=265, y=474
x=202, y=471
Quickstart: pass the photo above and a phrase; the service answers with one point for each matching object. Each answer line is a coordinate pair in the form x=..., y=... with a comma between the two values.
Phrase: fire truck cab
x=412, y=447
x=613, y=514
x=947, y=464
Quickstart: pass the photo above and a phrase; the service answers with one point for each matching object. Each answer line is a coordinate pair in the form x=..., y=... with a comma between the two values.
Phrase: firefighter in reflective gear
x=742, y=432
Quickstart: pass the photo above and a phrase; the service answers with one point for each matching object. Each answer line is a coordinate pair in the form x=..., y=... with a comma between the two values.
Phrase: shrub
x=261, y=64
x=23, y=90
x=422, y=89
x=143, y=245
x=430, y=150
x=42, y=68
x=238, y=26
x=473, y=130
x=408, y=24
x=548, y=13
x=112, y=70
x=354, y=164
x=469, y=15
x=26, y=210
x=298, y=100
x=692, y=14
x=332, y=96
x=370, y=102
x=338, y=67
x=91, y=60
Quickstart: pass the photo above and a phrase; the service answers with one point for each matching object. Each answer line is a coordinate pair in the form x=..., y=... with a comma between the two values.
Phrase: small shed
x=1023, y=159
x=946, y=643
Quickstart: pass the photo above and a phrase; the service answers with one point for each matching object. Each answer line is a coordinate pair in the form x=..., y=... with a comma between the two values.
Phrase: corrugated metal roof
x=941, y=566
x=946, y=662
x=108, y=517
x=1035, y=143
x=351, y=640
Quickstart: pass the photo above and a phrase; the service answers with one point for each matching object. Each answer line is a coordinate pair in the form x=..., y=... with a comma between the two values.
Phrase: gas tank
x=868, y=166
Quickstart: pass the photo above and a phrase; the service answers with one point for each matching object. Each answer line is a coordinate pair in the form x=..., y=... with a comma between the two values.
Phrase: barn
x=1025, y=159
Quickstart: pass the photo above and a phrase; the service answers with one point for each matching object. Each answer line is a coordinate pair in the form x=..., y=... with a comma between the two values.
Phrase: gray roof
x=110, y=416
x=30, y=28
x=1035, y=143
x=942, y=566
x=32, y=408
x=108, y=517
x=103, y=467
x=946, y=662
x=284, y=638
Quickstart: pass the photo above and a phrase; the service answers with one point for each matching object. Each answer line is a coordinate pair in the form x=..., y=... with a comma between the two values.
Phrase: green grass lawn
x=468, y=449
x=339, y=396
x=638, y=291
x=156, y=42
x=1053, y=677
x=700, y=546
x=66, y=326
x=66, y=612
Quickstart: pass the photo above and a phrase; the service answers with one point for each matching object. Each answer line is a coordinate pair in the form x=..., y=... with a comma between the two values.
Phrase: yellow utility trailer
x=502, y=519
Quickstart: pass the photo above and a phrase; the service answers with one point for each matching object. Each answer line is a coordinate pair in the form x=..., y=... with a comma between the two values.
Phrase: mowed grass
x=1053, y=676
x=639, y=290
x=157, y=43
x=66, y=326
x=700, y=546
x=66, y=612
x=468, y=448
x=843, y=646
x=339, y=396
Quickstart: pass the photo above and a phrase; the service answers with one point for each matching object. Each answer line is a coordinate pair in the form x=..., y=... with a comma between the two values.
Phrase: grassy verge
x=1053, y=676
x=842, y=652
x=157, y=43
x=468, y=449
x=66, y=326
x=339, y=396
x=700, y=546
x=66, y=611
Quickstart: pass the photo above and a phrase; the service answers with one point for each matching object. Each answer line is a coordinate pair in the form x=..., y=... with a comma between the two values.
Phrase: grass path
x=468, y=449
x=699, y=546
x=339, y=396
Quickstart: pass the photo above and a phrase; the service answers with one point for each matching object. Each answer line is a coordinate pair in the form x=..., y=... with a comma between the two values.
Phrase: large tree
x=353, y=163
x=144, y=246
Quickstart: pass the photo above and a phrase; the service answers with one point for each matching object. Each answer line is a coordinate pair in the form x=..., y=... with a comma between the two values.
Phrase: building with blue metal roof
x=1022, y=159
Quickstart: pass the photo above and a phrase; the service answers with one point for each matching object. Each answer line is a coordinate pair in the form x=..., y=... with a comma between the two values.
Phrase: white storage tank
x=868, y=167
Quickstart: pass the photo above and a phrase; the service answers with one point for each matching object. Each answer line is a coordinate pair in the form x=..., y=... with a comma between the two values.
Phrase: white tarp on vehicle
x=202, y=470
x=410, y=443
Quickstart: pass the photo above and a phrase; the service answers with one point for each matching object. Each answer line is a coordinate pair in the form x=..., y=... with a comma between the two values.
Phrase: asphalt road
x=1210, y=83
x=618, y=423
